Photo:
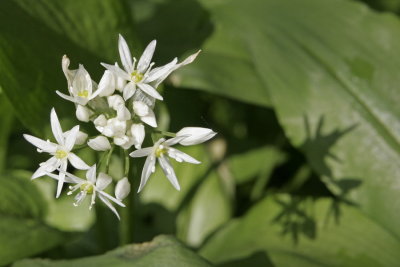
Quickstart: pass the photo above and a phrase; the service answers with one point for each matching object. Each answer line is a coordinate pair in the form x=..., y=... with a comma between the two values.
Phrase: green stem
x=108, y=158
x=169, y=134
x=127, y=213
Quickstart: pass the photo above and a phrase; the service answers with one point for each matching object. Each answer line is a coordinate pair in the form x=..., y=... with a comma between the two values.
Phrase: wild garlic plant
x=121, y=109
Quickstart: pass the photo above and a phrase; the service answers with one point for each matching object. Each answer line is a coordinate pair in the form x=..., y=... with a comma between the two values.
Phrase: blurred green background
x=303, y=94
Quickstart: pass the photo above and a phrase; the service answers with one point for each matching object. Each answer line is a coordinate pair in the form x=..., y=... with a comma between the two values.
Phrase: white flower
x=138, y=134
x=160, y=151
x=91, y=186
x=100, y=143
x=140, y=75
x=195, y=135
x=122, y=189
x=61, y=151
x=81, y=88
x=145, y=113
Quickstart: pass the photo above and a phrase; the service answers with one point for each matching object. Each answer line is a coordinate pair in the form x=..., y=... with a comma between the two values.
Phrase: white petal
x=91, y=174
x=103, y=180
x=106, y=85
x=181, y=156
x=100, y=143
x=148, y=89
x=138, y=134
x=70, y=138
x=82, y=113
x=82, y=82
x=113, y=199
x=162, y=71
x=122, y=189
x=175, y=140
x=123, y=113
x=169, y=171
x=77, y=162
x=120, y=141
x=66, y=97
x=109, y=205
x=140, y=108
x=115, y=101
x=188, y=60
x=141, y=152
x=125, y=54
x=56, y=127
x=150, y=119
x=147, y=170
x=117, y=71
x=195, y=135
x=61, y=177
x=45, y=167
x=129, y=90
x=100, y=121
x=146, y=57
x=81, y=138
x=46, y=146
x=69, y=74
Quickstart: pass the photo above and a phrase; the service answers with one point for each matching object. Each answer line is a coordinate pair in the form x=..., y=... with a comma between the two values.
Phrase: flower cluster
x=121, y=109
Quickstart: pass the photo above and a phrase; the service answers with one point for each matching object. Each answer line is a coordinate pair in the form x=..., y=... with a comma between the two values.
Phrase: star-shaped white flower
x=161, y=149
x=81, y=86
x=61, y=152
x=140, y=75
x=93, y=185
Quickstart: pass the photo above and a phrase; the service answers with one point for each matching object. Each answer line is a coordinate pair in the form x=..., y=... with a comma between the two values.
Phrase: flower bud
x=119, y=82
x=138, y=134
x=195, y=135
x=100, y=143
x=122, y=189
x=123, y=113
x=140, y=108
x=107, y=84
x=114, y=101
x=82, y=113
x=80, y=137
x=120, y=141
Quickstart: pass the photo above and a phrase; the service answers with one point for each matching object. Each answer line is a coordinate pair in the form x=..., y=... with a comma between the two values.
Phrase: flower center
x=136, y=76
x=161, y=150
x=87, y=187
x=83, y=93
x=60, y=154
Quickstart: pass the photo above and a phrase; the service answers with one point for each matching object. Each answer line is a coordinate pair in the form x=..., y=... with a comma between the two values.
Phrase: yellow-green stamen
x=83, y=93
x=161, y=150
x=60, y=154
x=136, y=76
x=87, y=187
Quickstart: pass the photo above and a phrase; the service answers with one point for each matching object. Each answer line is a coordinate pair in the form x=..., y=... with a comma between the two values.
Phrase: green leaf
x=332, y=74
x=22, y=229
x=35, y=36
x=223, y=67
x=7, y=118
x=162, y=251
x=283, y=230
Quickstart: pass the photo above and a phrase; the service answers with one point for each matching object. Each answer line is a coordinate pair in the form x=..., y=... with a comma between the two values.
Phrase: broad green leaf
x=162, y=251
x=284, y=230
x=35, y=36
x=331, y=67
x=23, y=231
x=7, y=117
x=210, y=207
x=223, y=67
x=259, y=161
